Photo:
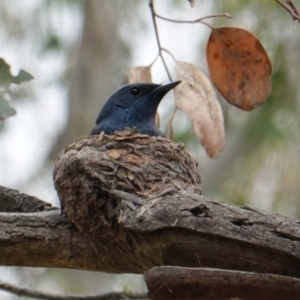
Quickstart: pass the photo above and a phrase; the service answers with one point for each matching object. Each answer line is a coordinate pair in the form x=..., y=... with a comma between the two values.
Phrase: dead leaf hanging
x=157, y=120
x=169, y=131
x=239, y=66
x=140, y=74
x=197, y=99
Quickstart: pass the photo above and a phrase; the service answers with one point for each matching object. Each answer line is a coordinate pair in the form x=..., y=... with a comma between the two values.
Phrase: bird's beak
x=154, y=98
x=164, y=89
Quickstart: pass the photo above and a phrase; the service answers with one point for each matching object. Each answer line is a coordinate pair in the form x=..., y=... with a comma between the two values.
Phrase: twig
x=290, y=7
x=293, y=7
x=155, y=59
x=167, y=51
x=153, y=14
x=22, y=292
x=194, y=21
x=160, y=48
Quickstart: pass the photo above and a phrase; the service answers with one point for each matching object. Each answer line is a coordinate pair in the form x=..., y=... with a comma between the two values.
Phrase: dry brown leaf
x=114, y=153
x=169, y=133
x=239, y=67
x=197, y=99
x=157, y=120
x=140, y=74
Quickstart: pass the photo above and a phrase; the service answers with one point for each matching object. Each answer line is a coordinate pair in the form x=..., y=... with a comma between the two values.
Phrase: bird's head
x=137, y=99
x=133, y=105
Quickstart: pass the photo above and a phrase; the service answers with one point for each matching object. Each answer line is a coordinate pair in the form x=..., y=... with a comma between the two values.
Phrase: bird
x=134, y=105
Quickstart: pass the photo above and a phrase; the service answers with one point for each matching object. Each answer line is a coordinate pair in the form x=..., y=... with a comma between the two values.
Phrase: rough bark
x=202, y=284
x=188, y=231
x=13, y=201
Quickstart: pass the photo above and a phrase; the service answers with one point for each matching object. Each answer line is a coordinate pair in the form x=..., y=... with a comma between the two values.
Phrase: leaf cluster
x=6, y=79
x=239, y=68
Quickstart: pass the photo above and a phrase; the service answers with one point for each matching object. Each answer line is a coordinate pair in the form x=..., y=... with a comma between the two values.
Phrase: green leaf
x=51, y=43
x=23, y=76
x=5, y=75
x=6, y=78
x=5, y=109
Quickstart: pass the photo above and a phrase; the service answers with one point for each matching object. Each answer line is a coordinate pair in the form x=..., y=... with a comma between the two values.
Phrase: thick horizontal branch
x=186, y=230
x=43, y=239
x=203, y=284
x=13, y=201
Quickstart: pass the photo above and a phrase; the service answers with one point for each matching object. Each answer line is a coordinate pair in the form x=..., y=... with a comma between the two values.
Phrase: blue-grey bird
x=133, y=105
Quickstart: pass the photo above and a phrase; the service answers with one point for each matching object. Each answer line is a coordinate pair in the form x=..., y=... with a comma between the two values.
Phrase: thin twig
x=153, y=14
x=22, y=292
x=155, y=59
x=160, y=48
x=193, y=21
x=167, y=51
x=293, y=7
x=290, y=7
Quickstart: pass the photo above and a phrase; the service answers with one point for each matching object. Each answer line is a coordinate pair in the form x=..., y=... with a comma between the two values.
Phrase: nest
x=101, y=179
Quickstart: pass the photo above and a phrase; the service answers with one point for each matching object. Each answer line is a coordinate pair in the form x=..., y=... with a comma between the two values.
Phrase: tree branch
x=185, y=230
x=203, y=284
x=13, y=201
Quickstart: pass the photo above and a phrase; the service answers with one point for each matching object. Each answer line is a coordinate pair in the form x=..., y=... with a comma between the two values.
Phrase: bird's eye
x=135, y=91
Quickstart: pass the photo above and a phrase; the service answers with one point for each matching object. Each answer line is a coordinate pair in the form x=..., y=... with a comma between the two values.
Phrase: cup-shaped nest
x=101, y=180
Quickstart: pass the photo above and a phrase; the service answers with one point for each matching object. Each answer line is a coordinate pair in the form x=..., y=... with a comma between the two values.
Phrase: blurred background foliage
x=79, y=52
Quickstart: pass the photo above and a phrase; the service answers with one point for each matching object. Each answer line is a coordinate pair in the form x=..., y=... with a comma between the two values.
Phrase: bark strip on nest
x=132, y=172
